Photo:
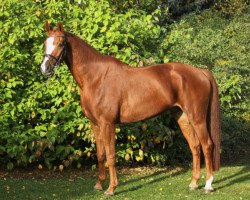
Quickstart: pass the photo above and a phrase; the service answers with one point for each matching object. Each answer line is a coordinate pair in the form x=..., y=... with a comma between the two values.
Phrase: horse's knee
x=195, y=149
x=207, y=149
x=101, y=157
x=111, y=160
x=102, y=177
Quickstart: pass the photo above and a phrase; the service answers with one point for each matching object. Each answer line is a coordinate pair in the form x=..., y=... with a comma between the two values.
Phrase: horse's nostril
x=47, y=66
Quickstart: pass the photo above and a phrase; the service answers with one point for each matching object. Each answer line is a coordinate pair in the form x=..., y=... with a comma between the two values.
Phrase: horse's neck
x=83, y=60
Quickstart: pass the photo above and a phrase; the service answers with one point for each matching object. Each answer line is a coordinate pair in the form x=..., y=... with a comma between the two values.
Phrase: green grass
x=231, y=182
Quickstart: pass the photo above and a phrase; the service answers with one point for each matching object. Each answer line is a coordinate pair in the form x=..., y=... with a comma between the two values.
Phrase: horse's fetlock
x=102, y=178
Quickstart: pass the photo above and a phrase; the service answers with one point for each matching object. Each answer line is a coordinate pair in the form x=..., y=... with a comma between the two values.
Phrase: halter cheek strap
x=50, y=56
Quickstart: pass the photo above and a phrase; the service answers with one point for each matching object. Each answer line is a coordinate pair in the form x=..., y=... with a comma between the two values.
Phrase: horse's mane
x=91, y=52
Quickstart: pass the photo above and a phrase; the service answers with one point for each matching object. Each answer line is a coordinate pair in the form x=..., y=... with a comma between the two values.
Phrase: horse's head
x=55, y=47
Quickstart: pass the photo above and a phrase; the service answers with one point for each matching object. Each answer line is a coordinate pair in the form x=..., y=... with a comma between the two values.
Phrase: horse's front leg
x=107, y=131
x=100, y=156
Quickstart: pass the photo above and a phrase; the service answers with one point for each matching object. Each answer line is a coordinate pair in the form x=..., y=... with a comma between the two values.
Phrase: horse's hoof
x=192, y=188
x=208, y=191
x=98, y=187
x=108, y=193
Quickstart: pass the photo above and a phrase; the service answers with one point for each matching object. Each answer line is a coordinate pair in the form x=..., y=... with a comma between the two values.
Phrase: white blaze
x=50, y=48
x=50, y=45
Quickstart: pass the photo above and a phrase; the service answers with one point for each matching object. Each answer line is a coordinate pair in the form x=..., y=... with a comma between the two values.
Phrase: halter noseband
x=57, y=60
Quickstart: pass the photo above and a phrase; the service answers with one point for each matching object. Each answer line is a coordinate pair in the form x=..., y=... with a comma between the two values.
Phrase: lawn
x=231, y=182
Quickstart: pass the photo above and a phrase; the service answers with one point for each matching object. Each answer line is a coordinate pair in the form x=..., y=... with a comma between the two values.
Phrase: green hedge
x=41, y=120
x=209, y=40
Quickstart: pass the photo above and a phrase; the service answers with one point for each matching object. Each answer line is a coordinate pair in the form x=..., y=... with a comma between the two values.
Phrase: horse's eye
x=60, y=44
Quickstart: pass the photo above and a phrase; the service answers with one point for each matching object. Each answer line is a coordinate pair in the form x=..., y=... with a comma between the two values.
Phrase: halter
x=57, y=60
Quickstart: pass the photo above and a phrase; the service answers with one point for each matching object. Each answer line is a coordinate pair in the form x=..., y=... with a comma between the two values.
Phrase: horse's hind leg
x=194, y=145
x=207, y=145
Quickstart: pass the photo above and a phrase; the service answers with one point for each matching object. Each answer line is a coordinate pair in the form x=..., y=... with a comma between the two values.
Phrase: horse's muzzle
x=46, y=69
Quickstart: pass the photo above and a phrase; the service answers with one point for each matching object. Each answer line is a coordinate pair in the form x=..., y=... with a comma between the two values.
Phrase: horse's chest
x=99, y=106
x=87, y=108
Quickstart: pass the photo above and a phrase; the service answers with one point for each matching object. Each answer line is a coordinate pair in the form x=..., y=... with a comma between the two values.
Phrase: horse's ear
x=60, y=26
x=47, y=26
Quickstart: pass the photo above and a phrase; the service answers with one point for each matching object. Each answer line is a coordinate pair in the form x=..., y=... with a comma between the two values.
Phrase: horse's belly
x=143, y=109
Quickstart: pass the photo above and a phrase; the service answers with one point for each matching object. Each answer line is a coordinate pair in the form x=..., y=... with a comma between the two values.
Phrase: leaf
x=43, y=134
x=60, y=149
x=141, y=153
x=95, y=28
x=138, y=158
x=10, y=166
x=12, y=112
x=80, y=127
x=33, y=115
x=93, y=167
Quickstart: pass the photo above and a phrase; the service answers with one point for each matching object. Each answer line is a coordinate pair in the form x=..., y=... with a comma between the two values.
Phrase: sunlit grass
x=140, y=183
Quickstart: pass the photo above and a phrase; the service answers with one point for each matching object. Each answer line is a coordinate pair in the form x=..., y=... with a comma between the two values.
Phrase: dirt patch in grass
x=71, y=173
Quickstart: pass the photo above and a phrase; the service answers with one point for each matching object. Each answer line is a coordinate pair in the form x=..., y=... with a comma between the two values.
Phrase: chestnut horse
x=112, y=92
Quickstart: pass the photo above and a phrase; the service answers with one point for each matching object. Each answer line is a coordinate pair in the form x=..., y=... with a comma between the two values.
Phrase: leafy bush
x=231, y=7
x=221, y=45
x=41, y=120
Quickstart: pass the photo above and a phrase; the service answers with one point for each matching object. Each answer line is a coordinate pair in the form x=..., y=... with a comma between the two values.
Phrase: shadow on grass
x=152, y=177
x=231, y=179
x=239, y=177
x=65, y=187
x=244, y=174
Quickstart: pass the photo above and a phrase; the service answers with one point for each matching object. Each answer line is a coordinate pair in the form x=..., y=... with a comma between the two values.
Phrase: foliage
x=151, y=141
x=167, y=10
x=175, y=6
x=221, y=45
x=231, y=7
x=41, y=120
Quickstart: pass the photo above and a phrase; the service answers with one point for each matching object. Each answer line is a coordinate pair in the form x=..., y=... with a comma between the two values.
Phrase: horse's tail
x=214, y=121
